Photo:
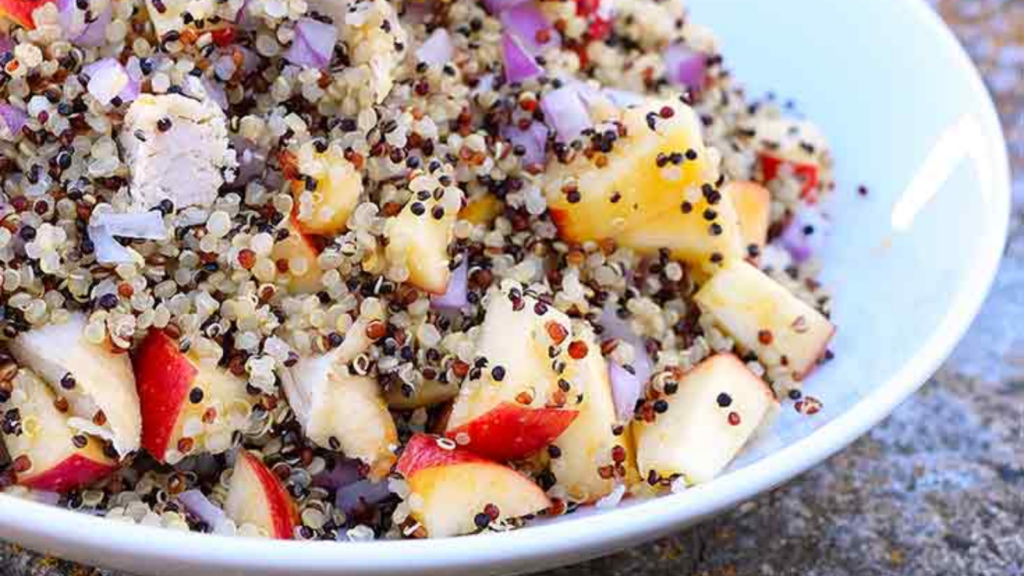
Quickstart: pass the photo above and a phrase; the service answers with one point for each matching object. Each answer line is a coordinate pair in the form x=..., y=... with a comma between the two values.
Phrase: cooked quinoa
x=228, y=250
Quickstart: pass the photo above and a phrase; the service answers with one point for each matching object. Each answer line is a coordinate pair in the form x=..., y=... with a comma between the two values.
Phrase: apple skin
x=808, y=173
x=73, y=472
x=513, y=432
x=164, y=377
x=281, y=509
x=422, y=452
x=21, y=11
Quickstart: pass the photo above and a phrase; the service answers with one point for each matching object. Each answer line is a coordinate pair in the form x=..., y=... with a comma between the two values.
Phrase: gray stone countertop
x=937, y=489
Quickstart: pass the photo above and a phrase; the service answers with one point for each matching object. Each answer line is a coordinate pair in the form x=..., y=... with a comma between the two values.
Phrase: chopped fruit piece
x=482, y=210
x=691, y=237
x=98, y=384
x=462, y=493
x=169, y=15
x=588, y=459
x=297, y=259
x=46, y=452
x=257, y=497
x=338, y=186
x=190, y=405
x=717, y=407
x=418, y=240
x=427, y=393
x=176, y=149
x=752, y=202
x=797, y=144
x=21, y=11
x=339, y=409
x=764, y=317
x=652, y=192
x=513, y=407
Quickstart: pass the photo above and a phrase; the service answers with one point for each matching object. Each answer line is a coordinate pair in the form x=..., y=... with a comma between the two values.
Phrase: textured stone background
x=937, y=489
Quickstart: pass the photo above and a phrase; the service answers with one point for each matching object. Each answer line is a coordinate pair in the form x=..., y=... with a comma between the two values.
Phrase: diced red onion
x=498, y=6
x=196, y=503
x=12, y=120
x=619, y=329
x=626, y=390
x=140, y=225
x=685, y=67
x=6, y=44
x=362, y=493
x=528, y=23
x=520, y=65
x=624, y=98
x=95, y=33
x=215, y=92
x=344, y=473
x=251, y=160
x=534, y=139
x=109, y=79
x=805, y=234
x=437, y=49
x=313, y=46
x=455, y=297
x=565, y=112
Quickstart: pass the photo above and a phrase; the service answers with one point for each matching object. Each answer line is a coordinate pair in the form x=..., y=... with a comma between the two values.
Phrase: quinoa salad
x=382, y=269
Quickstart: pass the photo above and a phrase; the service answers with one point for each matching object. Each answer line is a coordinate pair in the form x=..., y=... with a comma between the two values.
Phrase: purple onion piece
x=344, y=473
x=109, y=79
x=95, y=33
x=528, y=23
x=12, y=120
x=6, y=45
x=437, y=50
x=362, y=493
x=313, y=45
x=804, y=236
x=499, y=6
x=534, y=140
x=619, y=329
x=685, y=67
x=196, y=503
x=455, y=297
x=626, y=390
x=520, y=65
x=565, y=112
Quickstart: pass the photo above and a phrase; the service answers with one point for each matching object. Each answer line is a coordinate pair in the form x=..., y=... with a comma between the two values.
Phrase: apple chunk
x=338, y=187
x=766, y=318
x=753, y=203
x=340, y=409
x=298, y=256
x=418, y=239
x=190, y=405
x=716, y=408
x=256, y=496
x=594, y=453
x=47, y=453
x=98, y=384
x=512, y=406
x=457, y=492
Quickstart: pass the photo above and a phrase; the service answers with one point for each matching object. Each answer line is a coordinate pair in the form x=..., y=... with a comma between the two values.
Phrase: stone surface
x=937, y=489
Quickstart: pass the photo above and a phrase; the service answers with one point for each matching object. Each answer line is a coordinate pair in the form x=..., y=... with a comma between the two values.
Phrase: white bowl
x=910, y=263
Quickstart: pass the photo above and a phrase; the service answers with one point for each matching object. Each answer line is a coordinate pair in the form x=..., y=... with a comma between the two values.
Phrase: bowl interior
x=909, y=263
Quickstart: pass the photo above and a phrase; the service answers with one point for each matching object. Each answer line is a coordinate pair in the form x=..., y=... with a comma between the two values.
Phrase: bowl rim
x=47, y=528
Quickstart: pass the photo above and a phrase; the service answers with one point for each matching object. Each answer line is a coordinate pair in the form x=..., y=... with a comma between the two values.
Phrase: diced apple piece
x=256, y=496
x=20, y=11
x=98, y=384
x=455, y=488
x=764, y=317
x=298, y=255
x=482, y=209
x=513, y=408
x=753, y=203
x=590, y=457
x=427, y=393
x=339, y=409
x=47, y=453
x=794, y=143
x=690, y=236
x=190, y=405
x=418, y=239
x=337, y=192
x=717, y=407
